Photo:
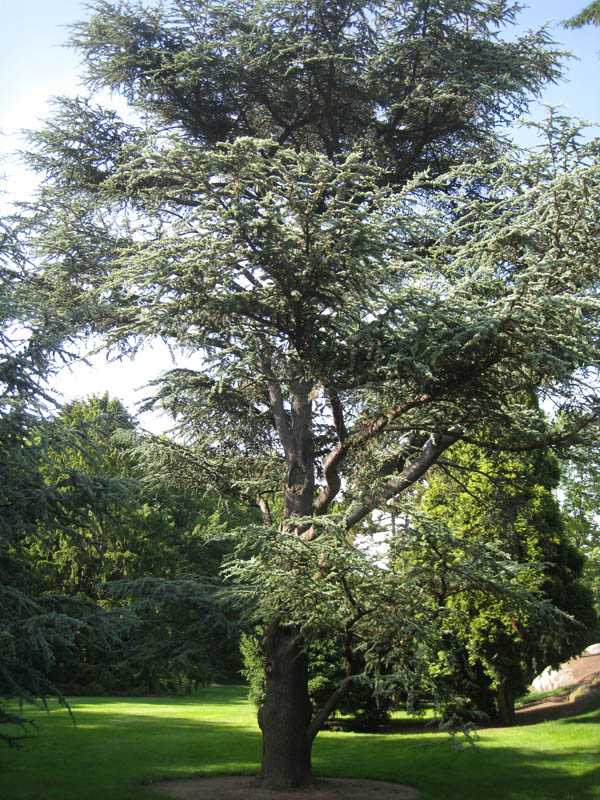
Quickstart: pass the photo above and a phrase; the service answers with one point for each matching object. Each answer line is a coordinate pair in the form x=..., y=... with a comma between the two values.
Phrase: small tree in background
x=508, y=501
x=580, y=499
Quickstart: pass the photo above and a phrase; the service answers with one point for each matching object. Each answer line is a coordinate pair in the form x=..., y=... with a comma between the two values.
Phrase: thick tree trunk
x=286, y=714
x=285, y=717
x=483, y=695
x=506, y=703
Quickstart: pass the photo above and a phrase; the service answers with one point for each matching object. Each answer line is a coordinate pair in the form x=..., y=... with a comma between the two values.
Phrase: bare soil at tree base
x=232, y=787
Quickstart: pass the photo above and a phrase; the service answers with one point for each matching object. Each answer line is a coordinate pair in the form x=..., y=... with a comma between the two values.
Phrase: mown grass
x=118, y=744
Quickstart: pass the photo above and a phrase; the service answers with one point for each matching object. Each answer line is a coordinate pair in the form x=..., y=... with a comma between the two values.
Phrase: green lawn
x=118, y=744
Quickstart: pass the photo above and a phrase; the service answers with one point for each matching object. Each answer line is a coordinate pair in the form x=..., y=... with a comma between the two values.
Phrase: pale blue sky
x=35, y=66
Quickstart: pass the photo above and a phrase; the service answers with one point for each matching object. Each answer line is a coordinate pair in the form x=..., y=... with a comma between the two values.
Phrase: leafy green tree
x=148, y=532
x=135, y=552
x=318, y=204
x=72, y=558
x=509, y=501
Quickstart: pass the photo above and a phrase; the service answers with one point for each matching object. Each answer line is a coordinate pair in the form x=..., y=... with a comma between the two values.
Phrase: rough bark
x=286, y=714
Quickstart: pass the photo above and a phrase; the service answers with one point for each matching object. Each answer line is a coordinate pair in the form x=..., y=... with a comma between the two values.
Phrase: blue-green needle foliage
x=590, y=15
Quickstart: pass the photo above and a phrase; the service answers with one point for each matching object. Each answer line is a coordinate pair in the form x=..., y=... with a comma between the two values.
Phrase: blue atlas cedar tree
x=316, y=200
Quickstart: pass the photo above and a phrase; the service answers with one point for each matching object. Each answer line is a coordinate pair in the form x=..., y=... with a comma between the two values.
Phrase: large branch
x=354, y=667
x=367, y=431
x=409, y=475
x=300, y=475
x=331, y=704
x=582, y=433
x=330, y=465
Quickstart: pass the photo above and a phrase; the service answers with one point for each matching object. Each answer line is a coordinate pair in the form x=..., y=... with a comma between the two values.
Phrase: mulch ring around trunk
x=235, y=787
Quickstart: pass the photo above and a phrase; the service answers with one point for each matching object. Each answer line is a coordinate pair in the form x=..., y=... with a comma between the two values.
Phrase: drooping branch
x=577, y=434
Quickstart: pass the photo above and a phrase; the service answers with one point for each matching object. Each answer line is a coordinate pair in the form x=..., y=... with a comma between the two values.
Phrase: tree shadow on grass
x=490, y=770
x=109, y=755
x=589, y=712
